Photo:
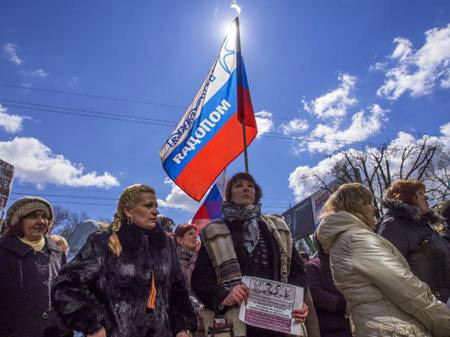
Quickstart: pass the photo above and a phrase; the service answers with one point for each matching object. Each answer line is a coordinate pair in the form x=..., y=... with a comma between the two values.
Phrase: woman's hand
x=183, y=334
x=237, y=295
x=300, y=314
x=99, y=333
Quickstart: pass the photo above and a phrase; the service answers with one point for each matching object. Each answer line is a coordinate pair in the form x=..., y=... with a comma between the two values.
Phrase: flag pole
x=240, y=94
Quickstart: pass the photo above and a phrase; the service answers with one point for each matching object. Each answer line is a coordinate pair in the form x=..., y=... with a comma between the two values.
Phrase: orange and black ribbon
x=151, y=301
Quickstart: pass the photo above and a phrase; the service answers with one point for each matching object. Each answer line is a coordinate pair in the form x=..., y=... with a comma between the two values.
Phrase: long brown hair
x=128, y=199
x=404, y=190
x=243, y=176
x=350, y=198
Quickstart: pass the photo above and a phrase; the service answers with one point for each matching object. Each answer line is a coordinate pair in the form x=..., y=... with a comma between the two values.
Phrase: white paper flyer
x=270, y=305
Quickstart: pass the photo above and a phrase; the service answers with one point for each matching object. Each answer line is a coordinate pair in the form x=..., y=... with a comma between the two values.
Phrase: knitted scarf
x=249, y=216
x=37, y=245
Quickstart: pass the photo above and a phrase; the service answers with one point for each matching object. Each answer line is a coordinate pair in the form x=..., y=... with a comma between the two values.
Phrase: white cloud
x=362, y=127
x=264, y=122
x=36, y=164
x=445, y=129
x=417, y=71
x=445, y=81
x=73, y=81
x=296, y=125
x=177, y=199
x=339, y=131
x=302, y=180
x=26, y=86
x=336, y=102
x=328, y=138
x=378, y=66
x=39, y=73
x=236, y=7
x=10, y=51
x=404, y=50
x=11, y=123
x=34, y=73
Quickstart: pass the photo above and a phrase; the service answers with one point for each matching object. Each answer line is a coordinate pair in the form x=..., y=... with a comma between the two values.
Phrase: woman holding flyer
x=384, y=298
x=246, y=243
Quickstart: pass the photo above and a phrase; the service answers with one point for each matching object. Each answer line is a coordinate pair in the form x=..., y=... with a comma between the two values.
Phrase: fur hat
x=24, y=206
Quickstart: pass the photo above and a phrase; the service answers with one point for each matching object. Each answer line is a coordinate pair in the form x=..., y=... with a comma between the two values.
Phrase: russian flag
x=210, y=133
x=209, y=210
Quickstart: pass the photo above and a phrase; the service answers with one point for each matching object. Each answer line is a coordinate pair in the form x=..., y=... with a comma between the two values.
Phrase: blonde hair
x=128, y=200
x=350, y=198
x=60, y=241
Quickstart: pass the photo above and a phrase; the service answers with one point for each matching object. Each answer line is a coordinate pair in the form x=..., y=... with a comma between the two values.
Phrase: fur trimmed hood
x=399, y=208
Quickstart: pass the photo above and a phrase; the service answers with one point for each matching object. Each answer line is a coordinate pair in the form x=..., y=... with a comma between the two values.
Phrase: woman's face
x=144, y=213
x=243, y=193
x=35, y=225
x=421, y=201
x=370, y=213
x=188, y=240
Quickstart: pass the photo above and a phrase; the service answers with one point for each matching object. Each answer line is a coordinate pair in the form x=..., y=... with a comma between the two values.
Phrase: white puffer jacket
x=383, y=296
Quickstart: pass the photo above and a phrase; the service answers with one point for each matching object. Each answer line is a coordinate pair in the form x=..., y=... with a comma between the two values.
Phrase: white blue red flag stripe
x=210, y=135
x=209, y=210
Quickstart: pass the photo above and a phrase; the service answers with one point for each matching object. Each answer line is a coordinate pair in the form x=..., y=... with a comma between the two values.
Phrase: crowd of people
x=143, y=276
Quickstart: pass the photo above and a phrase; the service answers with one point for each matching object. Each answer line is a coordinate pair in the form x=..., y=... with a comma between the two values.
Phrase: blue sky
x=331, y=74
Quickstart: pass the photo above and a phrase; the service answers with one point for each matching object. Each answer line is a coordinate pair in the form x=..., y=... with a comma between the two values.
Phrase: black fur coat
x=97, y=288
x=427, y=253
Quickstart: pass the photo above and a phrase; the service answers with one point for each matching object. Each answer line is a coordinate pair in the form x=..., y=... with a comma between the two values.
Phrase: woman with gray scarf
x=245, y=242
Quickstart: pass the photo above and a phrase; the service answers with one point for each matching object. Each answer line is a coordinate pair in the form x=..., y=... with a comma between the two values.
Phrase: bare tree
x=438, y=177
x=65, y=221
x=378, y=167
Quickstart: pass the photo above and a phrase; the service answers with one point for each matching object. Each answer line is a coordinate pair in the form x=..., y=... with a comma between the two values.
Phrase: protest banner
x=6, y=178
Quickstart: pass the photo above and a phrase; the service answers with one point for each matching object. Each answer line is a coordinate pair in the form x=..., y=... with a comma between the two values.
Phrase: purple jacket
x=328, y=301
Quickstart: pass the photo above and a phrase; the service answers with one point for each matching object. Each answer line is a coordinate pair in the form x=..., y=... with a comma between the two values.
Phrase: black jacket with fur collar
x=427, y=253
x=98, y=288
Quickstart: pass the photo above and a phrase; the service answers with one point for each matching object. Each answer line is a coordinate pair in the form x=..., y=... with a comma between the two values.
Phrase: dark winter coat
x=98, y=288
x=204, y=280
x=427, y=253
x=329, y=302
x=187, y=262
x=26, y=278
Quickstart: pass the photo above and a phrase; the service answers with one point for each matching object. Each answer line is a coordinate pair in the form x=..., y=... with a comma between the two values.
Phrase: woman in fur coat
x=411, y=227
x=126, y=281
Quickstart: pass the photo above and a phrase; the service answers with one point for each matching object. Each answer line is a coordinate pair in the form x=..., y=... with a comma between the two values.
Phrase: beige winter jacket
x=383, y=297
